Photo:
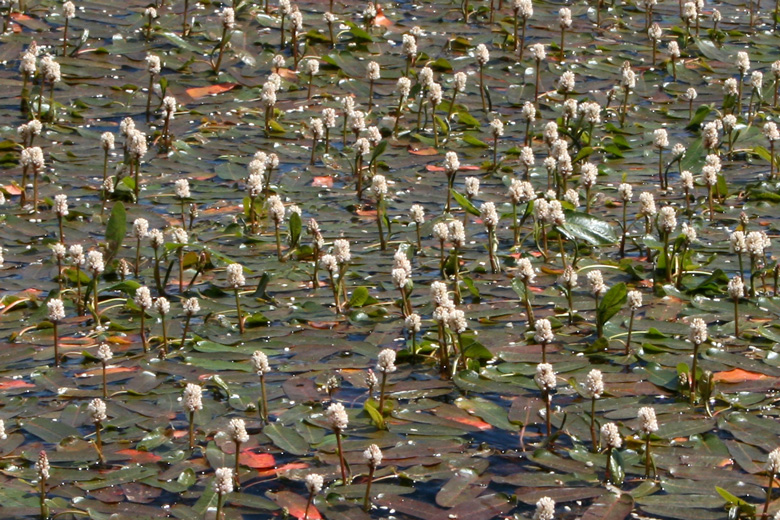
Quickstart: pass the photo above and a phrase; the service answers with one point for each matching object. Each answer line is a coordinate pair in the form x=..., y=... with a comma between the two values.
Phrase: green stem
x=366, y=497
x=238, y=312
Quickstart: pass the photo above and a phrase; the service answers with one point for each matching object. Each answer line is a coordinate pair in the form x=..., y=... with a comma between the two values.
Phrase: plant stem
x=186, y=328
x=593, y=426
x=56, y=345
x=630, y=330
x=693, y=372
x=105, y=386
x=192, y=430
x=235, y=471
x=165, y=336
x=143, y=330
x=366, y=501
x=238, y=312
x=264, y=400
x=647, y=455
x=382, y=393
x=341, y=457
x=768, y=495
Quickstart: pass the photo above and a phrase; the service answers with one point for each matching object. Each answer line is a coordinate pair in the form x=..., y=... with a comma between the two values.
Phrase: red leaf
x=323, y=182
x=281, y=469
x=738, y=375
x=199, y=92
x=14, y=383
x=380, y=18
x=139, y=457
x=256, y=460
x=434, y=168
x=424, y=151
x=296, y=505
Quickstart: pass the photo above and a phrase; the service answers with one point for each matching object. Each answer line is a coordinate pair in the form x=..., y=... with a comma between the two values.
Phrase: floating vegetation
x=418, y=261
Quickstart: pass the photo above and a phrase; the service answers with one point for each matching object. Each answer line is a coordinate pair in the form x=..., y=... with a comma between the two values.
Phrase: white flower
x=698, y=333
x=667, y=219
x=153, y=64
x=771, y=132
x=482, y=54
x=386, y=361
x=457, y=233
x=743, y=62
x=104, y=353
x=372, y=70
x=143, y=298
x=379, y=186
x=525, y=271
x=95, y=262
x=341, y=251
x=545, y=509
x=3, y=435
x=42, y=466
x=56, y=309
x=773, y=461
x=566, y=82
x=564, y=17
x=97, y=410
x=276, y=208
x=596, y=282
x=179, y=236
x=162, y=305
x=451, y=163
x=409, y=46
x=236, y=430
x=314, y=483
x=610, y=436
x=260, y=363
x=489, y=215
x=736, y=287
x=191, y=306
x=594, y=382
x=441, y=231
x=59, y=251
x=634, y=300
x=537, y=51
x=337, y=416
x=417, y=213
x=312, y=66
x=413, y=323
x=223, y=481
x=459, y=81
x=545, y=376
x=544, y=333
x=169, y=106
x=192, y=397
x=235, y=276
x=660, y=138
x=497, y=128
x=228, y=17
x=673, y=49
x=373, y=455
x=568, y=277
x=140, y=228
x=647, y=204
x=647, y=420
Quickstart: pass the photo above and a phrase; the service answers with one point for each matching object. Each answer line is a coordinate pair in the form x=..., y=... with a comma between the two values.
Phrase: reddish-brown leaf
x=256, y=460
x=738, y=375
x=199, y=92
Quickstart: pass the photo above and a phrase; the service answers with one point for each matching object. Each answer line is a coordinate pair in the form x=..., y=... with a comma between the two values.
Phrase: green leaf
x=592, y=230
x=295, y=229
x=370, y=407
x=286, y=439
x=699, y=116
x=359, y=297
x=467, y=119
x=473, y=141
x=612, y=302
x=465, y=203
x=617, y=467
x=116, y=229
x=378, y=150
